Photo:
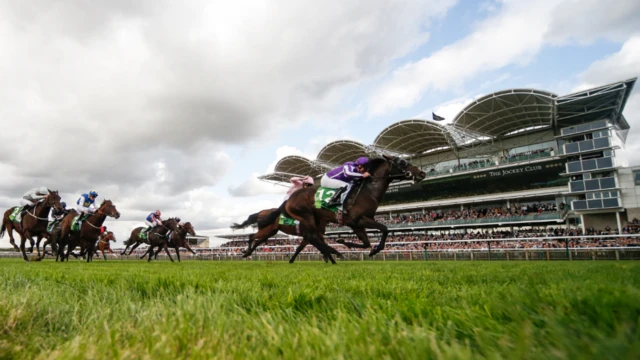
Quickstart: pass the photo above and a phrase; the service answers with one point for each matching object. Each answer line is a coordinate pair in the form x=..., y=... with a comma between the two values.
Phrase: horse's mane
x=375, y=163
x=104, y=201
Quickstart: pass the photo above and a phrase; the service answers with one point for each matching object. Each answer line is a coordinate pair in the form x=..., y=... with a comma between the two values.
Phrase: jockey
x=153, y=219
x=85, y=205
x=297, y=184
x=342, y=177
x=57, y=215
x=31, y=198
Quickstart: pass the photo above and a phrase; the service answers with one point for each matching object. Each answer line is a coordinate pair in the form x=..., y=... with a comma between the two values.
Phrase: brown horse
x=135, y=240
x=89, y=231
x=360, y=206
x=159, y=237
x=103, y=244
x=269, y=230
x=176, y=240
x=33, y=222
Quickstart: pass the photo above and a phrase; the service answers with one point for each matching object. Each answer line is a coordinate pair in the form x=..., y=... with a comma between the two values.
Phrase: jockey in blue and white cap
x=343, y=176
x=85, y=204
x=153, y=220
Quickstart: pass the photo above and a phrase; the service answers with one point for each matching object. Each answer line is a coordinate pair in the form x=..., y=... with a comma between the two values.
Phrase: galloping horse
x=136, y=240
x=269, y=230
x=175, y=240
x=103, y=244
x=89, y=231
x=159, y=237
x=360, y=206
x=33, y=222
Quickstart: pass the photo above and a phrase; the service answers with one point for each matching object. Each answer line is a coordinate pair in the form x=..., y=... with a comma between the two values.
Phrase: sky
x=179, y=106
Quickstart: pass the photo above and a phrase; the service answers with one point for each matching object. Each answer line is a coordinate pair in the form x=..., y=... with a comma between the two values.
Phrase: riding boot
x=335, y=199
x=146, y=231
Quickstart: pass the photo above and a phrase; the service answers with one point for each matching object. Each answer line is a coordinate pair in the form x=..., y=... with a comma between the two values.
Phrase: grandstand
x=511, y=160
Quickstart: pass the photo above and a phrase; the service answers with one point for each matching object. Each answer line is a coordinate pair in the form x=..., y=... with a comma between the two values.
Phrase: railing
x=481, y=221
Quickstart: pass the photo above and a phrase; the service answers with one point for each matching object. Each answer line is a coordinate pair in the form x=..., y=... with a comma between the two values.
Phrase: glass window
x=583, y=127
x=591, y=185
x=604, y=163
x=613, y=193
x=636, y=177
x=589, y=165
x=586, y=176
x=594, y=204
x=574, y=166
x=591, y=196
x=572, y=148
x=598, y=124
x=586, y=145
x=601, y=143
x=567, y=131
x=597, y=195
x=579, y=205
x=613, y=202
x=607, y=153
x=607, y=183
x=576, y=186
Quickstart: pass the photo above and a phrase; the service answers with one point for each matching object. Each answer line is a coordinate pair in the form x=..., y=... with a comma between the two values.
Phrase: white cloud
x=513, y=36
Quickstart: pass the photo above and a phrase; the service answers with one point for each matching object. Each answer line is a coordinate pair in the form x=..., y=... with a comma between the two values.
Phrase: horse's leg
x=135, y=246
x=23, y=240
x=149, y=251
x=264, y=235
x=369, y=223
x=177, y=253
x=12, y=241
x=299, y=249
x=361, y=233
x=166, y=249
x=311, y=235
x=38, y=240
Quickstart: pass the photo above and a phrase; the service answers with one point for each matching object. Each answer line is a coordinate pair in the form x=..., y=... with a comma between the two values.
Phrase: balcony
x=592, y=184
x=487, y=164
x=590, y=165
x=587, y=145
x=584, y=128
x=595, y=204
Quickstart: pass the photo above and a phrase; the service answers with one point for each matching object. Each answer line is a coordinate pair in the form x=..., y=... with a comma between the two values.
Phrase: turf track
x=311, y=310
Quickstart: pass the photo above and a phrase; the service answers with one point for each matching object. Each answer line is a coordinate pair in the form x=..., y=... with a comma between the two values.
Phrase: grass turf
x=311, y=310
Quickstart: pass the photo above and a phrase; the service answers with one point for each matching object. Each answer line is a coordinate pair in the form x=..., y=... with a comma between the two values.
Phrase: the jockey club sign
x=524, y=169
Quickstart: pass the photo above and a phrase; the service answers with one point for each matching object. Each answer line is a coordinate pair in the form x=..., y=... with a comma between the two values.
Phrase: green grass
x=311, y=310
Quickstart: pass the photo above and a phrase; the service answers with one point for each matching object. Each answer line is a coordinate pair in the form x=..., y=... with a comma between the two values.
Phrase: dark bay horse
x=360, y=206
x=135, y=240
x=158, y=237
x=268, y=230
x=33, y=222
x=175, y=240
x=89, y=231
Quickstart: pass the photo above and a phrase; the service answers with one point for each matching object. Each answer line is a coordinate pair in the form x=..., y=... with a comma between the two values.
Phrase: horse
x=160, y=237
x=89, y=231
x=136, y=240
x=175, y=240
x=269, y=230
x=33, y=222
x=360, y=206
x=103, y=244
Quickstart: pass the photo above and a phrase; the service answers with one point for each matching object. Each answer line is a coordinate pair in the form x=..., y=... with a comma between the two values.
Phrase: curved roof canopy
x=413, y=137
x=341, y=151
x=505, y=112
x=292, y=165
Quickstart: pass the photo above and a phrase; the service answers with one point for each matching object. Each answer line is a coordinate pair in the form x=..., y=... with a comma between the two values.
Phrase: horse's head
x=109, y=209
x=110, y=236
x=189, y=229
x=401, y=168
x=53, y=200
x=171, y=224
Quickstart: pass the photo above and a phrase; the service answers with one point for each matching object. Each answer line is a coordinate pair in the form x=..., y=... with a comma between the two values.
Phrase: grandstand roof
x=413, y=137
x=341, y=151
x=508, y=111
x=293, y=165
x=604, y=102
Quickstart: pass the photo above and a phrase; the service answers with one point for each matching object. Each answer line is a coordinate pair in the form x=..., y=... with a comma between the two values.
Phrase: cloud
x=141, y=100
x=254, y=187
x=513, y=36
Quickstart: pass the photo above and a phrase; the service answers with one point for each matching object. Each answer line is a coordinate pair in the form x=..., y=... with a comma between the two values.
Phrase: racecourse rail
x=391, y=254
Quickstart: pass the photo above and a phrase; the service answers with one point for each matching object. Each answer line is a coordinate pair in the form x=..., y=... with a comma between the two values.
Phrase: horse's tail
x=3, y=228
x=127, y=242
x=251, y=220
x=273, y=215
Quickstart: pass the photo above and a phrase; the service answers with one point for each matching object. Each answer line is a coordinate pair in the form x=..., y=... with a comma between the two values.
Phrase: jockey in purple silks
x=342, y=177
